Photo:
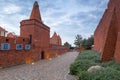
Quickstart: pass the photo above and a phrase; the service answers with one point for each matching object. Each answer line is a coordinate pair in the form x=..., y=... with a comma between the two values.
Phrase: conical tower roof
x=35, y=14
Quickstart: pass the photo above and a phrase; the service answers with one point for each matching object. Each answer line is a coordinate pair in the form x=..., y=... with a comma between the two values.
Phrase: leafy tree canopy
x=86, y=43
x=67, y=44
x=78, y=40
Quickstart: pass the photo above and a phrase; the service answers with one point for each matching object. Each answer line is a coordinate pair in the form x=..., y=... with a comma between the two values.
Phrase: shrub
x=80, y=65
x=84, y=61
x=105, y=74
x=110, y=63
x=90, y=58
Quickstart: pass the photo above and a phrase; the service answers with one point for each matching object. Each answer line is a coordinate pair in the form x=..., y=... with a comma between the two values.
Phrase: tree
x=78, y=40
x=90, y=41
x=84, y=43
x=87, y=43
x=67, y=44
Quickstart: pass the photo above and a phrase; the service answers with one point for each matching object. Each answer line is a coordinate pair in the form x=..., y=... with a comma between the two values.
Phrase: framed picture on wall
x=27, y=47
x=19, y=47
x=5, y=46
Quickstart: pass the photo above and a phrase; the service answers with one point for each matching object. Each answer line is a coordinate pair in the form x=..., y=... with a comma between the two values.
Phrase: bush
x=90, y=58
x=105, y=74
x=112, y=64
x=80, y=65
x=84, y=61
x=88, y=55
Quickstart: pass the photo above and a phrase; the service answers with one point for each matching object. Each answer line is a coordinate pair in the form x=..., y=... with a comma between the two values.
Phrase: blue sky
x=66, y=17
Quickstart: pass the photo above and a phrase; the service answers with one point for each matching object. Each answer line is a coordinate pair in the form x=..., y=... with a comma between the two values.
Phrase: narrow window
x=30, y=39
x=23, y=40
x=7, y=40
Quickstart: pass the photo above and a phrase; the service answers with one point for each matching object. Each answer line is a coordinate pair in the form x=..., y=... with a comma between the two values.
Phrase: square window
x=19, y=47
x=27, y=47
x=5, y=46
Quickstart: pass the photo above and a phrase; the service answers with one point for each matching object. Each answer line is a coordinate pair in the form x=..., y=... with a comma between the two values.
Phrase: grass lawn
x=90, y=58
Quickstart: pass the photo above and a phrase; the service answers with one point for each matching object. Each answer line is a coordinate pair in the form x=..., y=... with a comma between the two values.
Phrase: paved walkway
x=55, y=69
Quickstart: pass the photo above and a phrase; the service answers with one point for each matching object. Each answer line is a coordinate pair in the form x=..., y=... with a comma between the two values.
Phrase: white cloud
x=11, y=9
x=9, y=27
x=12, y=23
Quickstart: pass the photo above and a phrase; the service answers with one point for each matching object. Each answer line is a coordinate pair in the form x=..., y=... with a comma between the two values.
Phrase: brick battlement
x=13, y=42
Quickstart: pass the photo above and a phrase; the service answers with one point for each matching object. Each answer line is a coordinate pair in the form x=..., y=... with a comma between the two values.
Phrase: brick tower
x=37, y=32
x=107, y=33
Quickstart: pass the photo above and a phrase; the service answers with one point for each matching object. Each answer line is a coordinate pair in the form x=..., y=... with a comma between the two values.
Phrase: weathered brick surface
x=14, y=41
x=117, y=49
x=106, y=34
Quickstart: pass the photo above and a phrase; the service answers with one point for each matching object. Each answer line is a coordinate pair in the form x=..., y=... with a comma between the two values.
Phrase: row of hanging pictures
x=6, y=46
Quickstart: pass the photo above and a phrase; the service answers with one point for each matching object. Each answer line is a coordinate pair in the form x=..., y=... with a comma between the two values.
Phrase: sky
x=65, y=17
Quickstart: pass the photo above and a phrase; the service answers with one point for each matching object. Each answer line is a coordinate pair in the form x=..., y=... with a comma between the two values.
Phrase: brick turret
x=37, y=32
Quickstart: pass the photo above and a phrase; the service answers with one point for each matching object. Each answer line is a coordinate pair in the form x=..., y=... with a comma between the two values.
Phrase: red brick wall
x=110, y=42
x=117, y=49
x=101, y=30
x=14, y=41
x=106, y=35
x=15, y=57
x=56, y=50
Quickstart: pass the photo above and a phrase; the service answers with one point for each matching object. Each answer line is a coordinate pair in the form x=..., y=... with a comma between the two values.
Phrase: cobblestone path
x=55, y=69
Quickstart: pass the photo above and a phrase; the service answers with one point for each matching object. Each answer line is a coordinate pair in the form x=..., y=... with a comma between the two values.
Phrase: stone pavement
x=55, y=69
